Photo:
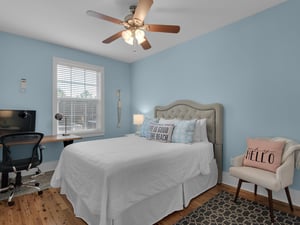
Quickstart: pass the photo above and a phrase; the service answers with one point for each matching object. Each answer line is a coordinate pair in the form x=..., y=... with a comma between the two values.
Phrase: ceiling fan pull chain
x=135, y=43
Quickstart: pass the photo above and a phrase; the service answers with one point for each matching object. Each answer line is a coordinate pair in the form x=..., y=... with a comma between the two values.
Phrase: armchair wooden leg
x=289, y=198
x=255, y=189
x=271, y=205
x=238, y=189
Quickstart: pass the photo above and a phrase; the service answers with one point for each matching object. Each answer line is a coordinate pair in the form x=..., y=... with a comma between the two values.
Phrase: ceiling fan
x=134, y=25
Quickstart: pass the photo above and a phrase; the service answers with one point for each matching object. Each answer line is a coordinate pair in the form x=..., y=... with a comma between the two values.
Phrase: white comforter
x=111, y=175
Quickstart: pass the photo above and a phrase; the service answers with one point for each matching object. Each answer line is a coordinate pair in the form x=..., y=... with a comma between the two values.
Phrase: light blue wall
x=26, y=58
x=252, y=67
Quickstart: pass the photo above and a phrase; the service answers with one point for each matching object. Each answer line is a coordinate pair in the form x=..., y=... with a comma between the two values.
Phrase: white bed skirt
x=197, y=185
x=152, y=209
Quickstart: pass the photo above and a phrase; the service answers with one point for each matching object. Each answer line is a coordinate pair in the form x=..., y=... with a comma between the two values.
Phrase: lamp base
x=65, y=134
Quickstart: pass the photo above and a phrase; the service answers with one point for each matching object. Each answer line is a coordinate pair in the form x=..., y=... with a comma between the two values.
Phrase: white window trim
x=56, y=61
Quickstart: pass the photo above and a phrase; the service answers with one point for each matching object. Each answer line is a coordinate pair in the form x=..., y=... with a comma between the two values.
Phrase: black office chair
x=21, y=151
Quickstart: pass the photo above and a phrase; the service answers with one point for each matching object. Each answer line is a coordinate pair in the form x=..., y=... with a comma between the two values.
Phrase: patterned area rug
x=43, y=179
x=222, y=210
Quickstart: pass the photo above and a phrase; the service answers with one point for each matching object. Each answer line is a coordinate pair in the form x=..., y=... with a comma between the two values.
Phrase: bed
x=132, y=180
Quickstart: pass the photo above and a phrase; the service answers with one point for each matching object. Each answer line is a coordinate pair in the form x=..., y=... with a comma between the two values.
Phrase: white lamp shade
x=138, y=119
x=140, y=36
x=128, y=37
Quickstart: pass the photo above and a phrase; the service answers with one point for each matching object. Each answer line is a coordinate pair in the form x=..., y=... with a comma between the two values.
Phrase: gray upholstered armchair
x=281, y=179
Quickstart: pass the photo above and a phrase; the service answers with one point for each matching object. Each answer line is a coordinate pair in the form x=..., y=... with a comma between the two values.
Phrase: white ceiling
x=65, y=22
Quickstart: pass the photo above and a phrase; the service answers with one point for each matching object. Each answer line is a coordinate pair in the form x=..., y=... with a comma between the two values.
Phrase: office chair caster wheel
x=40, y=192
x=37, y=184
x=10, y=203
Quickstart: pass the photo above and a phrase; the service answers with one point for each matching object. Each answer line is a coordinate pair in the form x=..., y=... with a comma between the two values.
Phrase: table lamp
x=138, y=120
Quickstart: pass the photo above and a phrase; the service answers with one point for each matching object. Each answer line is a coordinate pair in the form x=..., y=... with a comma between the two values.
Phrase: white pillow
x=167, y=121
x=200, y=133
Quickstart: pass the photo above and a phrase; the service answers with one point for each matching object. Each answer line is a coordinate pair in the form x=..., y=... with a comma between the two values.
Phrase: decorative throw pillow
x=200, y=133
x=144, y=131
x=264, y=154
x=161, y=132
x=184, y=131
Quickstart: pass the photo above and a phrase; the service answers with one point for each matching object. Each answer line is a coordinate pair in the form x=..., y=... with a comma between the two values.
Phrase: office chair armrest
x=285, y=172
x=237, y=161
x=41, y=148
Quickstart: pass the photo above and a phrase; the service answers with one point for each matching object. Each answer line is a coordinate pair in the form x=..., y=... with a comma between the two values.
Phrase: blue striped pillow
x=145, y=132
x=183, y=131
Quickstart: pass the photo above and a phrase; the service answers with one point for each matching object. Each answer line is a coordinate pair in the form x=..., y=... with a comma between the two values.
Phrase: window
x=78, y=95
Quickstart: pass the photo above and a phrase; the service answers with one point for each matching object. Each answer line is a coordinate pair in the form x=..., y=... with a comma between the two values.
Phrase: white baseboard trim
x=280, y=196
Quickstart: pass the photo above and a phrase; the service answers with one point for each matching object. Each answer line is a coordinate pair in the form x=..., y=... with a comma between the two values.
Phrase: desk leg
x=66, y=143
x=4, y=180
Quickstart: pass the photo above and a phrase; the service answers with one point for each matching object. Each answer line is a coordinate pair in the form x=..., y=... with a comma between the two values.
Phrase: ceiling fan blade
x=141, y=10
x=162, y=28
x=113, y=37
x=145, y=44
x=104, y=17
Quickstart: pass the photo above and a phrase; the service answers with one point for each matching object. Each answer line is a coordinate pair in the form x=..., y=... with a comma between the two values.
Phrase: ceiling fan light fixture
x=134, y=33
x=140, y=36
x=128, y=36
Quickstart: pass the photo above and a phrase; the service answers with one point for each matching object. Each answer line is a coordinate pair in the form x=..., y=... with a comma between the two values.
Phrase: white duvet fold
x=110, y=175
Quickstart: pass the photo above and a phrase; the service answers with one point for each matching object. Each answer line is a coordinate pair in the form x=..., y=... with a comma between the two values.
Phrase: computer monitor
x=14, y=121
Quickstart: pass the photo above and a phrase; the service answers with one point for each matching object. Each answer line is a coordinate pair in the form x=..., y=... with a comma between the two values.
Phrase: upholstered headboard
x=187, y=109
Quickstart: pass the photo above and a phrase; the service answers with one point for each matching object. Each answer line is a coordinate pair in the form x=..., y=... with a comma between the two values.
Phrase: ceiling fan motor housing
x=134, y=23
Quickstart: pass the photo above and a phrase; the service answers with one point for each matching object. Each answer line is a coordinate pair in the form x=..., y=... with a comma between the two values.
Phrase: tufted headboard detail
x=187, y=109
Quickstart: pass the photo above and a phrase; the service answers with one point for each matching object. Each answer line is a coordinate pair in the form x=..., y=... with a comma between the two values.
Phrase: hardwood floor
x=51, y=208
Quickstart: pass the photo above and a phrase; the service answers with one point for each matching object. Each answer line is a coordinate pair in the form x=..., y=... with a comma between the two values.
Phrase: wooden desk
x=60, y=138
x=69, y=139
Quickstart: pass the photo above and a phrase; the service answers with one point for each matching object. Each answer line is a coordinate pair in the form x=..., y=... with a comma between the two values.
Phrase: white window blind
x=78, y=96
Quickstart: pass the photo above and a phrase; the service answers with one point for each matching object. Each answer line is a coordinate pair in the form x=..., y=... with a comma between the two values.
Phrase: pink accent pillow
x=264, y=154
